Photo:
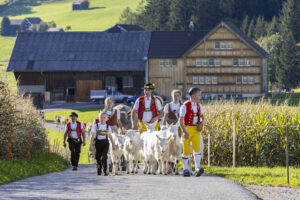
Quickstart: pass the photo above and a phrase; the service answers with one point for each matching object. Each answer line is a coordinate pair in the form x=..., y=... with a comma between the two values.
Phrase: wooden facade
x=76, y=86
x=214, y=70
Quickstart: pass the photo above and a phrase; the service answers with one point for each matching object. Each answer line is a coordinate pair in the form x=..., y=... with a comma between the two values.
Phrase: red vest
x=141, y=109
x=189, y=115
x=78, y=129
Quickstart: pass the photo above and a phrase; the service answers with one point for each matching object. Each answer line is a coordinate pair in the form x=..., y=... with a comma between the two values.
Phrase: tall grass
x=260, y=135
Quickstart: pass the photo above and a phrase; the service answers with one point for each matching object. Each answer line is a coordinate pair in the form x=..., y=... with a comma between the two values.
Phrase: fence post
x=208, y=150
x=29, y=146
x=9, y=144
x=48, y=152
x=287, y=155
x=233, y=145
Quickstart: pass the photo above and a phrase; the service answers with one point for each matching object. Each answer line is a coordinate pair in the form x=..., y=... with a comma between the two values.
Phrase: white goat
x=118, y=152
x=132, y=149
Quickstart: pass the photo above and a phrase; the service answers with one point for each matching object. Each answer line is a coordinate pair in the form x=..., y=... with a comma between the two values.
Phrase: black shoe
x=74, y=168
x=99, y=171
x=110, y=167
x=105, y=174
x=199, y=172
x=186, y=173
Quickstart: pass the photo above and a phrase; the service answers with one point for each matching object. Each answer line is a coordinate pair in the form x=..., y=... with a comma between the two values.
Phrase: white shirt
x=110, y=113
x=175, y=107
x=101, y=127
x=194, y=107
x=147, y=116
x=73, y=127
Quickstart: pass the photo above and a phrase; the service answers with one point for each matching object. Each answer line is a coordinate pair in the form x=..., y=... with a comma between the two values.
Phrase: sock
x=197, y=157
x=185, y=162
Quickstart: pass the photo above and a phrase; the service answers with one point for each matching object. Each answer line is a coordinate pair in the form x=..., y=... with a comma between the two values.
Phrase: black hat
x=150, y=86
x=193, y=90
x=73, y=114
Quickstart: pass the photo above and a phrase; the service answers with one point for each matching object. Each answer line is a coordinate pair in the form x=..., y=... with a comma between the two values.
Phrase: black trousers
x=102, y=147
x=75, y=147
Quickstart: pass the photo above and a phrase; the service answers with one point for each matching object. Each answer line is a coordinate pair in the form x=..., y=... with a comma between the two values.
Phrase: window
x=195, y=80
x=244, y=79
x=223, y=45
x=238, y=80
x=217, y=45
x=241, y=62
x=250, y=79
x=208, y=80
x=127, y=82
x=208, y=62
x=214, y=80
x=201, y=80
x=168, y=63
x=110, y=81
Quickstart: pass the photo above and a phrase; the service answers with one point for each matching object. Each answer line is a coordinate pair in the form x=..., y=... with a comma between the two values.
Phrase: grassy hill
x=101, y=15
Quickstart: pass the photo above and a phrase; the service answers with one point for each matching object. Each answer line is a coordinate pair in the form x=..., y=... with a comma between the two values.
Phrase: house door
x=84, y=87
x=120, y=84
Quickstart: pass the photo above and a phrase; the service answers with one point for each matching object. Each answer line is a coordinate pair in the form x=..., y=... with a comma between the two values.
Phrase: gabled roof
x=33, y=20
x=124, y=28
x=173, y=44
x=16, y=22
x=80, y=51
x=239, y=34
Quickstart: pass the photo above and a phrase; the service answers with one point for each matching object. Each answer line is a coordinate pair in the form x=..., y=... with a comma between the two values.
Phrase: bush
x=257, y=142
x=20, y=112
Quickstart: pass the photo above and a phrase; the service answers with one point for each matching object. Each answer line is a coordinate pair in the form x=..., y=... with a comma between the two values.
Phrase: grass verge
x=20, y=168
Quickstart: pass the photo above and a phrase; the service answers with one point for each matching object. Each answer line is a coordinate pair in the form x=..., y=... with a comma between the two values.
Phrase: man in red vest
x=74, y=131
x=147, y=108
x=191, y=124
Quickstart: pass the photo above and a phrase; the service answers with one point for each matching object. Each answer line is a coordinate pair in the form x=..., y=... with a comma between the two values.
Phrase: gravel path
x=84, y=184
x=275, y=193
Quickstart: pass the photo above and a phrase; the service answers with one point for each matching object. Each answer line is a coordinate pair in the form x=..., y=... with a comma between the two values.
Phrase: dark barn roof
x=173, y=44
x=33, y=20
x=124, y=28
x=79, y=51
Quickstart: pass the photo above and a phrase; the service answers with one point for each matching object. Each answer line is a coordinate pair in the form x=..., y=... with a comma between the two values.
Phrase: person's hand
x=134, y=126
x=64, y=144
x=154, y=119
x=185, y=135
x=83, y=143
x=200, y=127
x=122, y=131
x=113, y=147
x=91, y=148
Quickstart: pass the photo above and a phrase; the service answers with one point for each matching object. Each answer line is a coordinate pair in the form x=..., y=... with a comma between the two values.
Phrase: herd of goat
x=156, y=149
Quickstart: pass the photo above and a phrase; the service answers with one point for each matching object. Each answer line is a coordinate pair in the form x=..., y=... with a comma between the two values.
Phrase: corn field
x=19, y=111
x=260, y=135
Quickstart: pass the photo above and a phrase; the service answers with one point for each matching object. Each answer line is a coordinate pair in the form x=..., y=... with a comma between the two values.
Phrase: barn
x=67, y=65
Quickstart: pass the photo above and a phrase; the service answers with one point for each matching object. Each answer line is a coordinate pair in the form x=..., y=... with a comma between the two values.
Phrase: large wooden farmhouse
x=67, y=65
x=223, y=62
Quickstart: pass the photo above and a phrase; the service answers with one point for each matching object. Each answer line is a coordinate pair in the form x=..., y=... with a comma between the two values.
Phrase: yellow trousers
x=194, y=137
x=144, y=128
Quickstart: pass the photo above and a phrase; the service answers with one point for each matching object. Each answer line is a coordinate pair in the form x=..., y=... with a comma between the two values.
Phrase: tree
x=245, y=23
x=288, y=72
x=288, y=20
x=251, y=28
x=273, y=27
x=272, y=44
x=259, y=29
x=5, y=27
x=128, y=16
x=180, y=15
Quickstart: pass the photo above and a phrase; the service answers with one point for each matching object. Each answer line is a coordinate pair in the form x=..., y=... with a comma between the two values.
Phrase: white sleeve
x=158, y=104
x=66, y=128
x=82, y=125
x=201, y=109
x=136, y=104
x=109, y=130
x=94, y=127
x=118, y=114
x=166, y=109
x=182, y=111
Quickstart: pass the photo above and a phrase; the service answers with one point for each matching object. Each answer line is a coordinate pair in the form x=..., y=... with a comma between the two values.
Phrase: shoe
x=199, y=172
x=74, y=168
x=110, y=167
x=105, y=174
x=99, y=171
x=186, y=173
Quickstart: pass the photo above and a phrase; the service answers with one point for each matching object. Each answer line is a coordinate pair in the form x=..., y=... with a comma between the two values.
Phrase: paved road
x=84, y=184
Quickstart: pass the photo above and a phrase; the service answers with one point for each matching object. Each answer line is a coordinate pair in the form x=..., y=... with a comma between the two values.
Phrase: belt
x=148, y=110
